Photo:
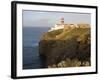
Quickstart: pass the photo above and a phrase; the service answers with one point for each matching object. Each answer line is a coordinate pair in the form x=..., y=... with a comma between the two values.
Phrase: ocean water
x=31, y=38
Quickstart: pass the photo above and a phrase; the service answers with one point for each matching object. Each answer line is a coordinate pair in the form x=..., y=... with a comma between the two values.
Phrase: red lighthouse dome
x=62, y=20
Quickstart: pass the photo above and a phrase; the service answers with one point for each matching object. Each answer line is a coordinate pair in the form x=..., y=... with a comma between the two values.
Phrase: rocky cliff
x=66, y=48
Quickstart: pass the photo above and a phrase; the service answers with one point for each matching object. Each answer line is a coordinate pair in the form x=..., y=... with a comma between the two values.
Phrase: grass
x=62, y=35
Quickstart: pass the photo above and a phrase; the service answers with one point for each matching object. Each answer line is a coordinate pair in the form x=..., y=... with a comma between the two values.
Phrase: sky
x=49, y=19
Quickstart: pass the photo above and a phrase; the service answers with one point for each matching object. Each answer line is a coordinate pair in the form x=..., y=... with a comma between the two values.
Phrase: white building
x=56, y=27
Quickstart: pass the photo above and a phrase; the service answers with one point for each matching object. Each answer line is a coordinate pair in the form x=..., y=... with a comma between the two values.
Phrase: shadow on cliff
x=73, y=49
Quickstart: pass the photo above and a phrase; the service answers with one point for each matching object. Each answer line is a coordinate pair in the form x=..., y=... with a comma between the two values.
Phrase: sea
x=31, y=38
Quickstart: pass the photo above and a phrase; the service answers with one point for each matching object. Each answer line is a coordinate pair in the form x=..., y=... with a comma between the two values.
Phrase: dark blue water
x=31, y=37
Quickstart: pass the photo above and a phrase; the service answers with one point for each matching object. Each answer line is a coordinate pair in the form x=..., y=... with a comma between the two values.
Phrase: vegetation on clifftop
x=65, y=34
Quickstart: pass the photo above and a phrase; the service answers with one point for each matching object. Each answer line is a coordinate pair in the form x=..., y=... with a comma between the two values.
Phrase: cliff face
x=66, y=48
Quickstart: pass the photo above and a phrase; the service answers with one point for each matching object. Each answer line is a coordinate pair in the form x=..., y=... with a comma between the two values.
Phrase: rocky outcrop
x=74, y=45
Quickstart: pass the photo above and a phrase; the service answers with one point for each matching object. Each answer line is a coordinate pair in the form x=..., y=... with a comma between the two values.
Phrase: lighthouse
x=58, y=26
x=62, y=21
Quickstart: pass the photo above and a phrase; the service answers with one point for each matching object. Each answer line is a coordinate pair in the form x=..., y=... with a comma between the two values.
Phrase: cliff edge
x=66, y=47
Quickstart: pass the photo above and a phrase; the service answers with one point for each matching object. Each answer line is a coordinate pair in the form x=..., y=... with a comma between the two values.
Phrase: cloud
x=48, y=19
